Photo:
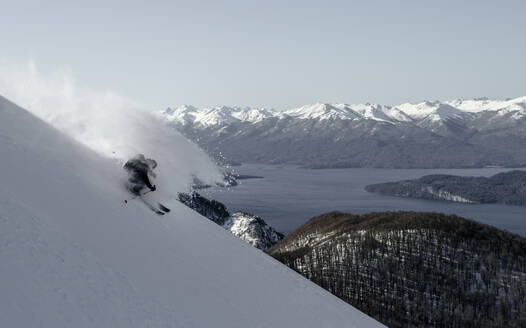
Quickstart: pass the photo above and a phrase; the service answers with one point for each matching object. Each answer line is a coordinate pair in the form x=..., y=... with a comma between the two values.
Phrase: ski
x=156, y=211
x=163, y=208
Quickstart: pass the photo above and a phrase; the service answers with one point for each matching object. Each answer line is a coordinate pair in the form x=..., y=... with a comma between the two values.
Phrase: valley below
x=288, y=196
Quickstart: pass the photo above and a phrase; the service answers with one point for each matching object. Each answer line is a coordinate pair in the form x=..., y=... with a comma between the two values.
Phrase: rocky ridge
x=248, y=227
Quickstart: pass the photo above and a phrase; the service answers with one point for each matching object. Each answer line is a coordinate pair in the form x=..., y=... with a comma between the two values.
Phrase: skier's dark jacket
x=139, y=168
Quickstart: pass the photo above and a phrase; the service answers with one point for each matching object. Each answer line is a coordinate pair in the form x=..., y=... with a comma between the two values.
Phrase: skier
x=140, y=169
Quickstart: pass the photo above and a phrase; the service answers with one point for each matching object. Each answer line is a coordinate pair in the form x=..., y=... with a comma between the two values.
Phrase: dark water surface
x=288, y=196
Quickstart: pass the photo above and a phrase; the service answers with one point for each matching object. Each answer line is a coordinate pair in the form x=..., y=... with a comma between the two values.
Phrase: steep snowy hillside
x=109, y=124
x=74, y=254
x=430, y=134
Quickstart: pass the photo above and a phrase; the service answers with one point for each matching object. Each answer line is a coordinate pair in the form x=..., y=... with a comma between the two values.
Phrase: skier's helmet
x=151, y=163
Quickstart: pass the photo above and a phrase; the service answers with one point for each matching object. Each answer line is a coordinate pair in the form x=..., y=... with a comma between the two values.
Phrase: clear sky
x=276, y=54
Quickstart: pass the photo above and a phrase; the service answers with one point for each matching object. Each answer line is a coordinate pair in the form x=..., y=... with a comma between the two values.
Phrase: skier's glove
x=153, y=188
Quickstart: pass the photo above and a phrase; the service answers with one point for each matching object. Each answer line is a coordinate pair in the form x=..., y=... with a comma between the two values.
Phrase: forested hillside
x=414, y=269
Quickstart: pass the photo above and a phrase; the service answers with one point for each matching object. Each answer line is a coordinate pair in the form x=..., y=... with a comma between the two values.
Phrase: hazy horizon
x=275, y=55
x=350, y=104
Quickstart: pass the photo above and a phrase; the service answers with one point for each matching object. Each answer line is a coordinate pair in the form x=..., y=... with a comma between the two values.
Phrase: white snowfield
x=216, y=115
x=73, y=254
x=408, y=112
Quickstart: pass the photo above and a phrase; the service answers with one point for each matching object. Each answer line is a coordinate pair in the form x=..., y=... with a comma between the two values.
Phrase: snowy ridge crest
x=208, y=116
x=407, y=112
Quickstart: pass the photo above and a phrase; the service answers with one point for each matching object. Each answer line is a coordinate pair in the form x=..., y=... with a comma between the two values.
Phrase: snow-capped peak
x=433, y=111
x=430, y=111
x=252, y=114
x=183, y=114
x=208, y=116
x=484, y=104
x=380, y=113
x=322, y=111
x=419, y=110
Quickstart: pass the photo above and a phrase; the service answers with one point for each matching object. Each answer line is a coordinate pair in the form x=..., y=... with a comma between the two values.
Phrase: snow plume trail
x=109, y=124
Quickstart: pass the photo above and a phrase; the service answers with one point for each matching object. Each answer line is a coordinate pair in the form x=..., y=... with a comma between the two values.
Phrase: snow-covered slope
x=108, y=124
x=73, y=254
x=484, y=104
x=252, y=229
x=434, y=111
x=321, y=111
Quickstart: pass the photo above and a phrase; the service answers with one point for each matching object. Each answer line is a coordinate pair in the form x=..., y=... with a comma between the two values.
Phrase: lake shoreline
x=288, y=196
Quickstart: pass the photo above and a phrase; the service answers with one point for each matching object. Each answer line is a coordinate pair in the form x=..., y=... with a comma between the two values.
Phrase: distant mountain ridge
x=207, y=116
x=429, y=134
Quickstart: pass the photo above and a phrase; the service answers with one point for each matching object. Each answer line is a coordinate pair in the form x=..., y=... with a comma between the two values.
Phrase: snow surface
x=215, y=115
x=480, y=105
x=431, y=111
x=73, y=254
x=252, y=229
x=323, y=112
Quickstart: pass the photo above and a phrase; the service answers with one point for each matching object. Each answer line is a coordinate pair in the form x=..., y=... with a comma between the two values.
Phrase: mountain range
x=430, y=134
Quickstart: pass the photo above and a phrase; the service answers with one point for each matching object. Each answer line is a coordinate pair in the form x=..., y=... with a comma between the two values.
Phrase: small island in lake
x=504, y=188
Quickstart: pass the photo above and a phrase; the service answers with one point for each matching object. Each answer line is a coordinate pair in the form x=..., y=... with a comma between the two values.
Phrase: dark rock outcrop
x=248, y=227
x=211, y=209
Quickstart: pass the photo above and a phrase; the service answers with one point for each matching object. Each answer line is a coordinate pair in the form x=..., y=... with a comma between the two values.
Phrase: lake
x=288, y=196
